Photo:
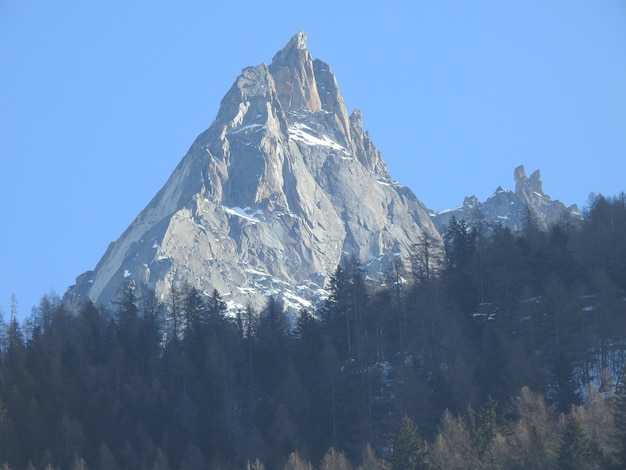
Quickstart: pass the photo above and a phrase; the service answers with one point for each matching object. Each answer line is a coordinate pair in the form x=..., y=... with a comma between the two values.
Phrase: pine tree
x=346, y=313
x=8, y=438
x=426, y=257
x=272, y=346
x=459, y=274
x=406, y=449
x=483, y=426
x=566, y=393
x=194, y=311
x=575, y=450
x=619, y=420
x=216, y=307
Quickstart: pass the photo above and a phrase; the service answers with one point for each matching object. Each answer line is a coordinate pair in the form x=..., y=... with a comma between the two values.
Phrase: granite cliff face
x=268, y=199
x=509, y=208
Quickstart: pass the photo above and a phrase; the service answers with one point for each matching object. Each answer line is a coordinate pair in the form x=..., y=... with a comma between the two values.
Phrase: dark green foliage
x=603, y=237
x=575, y=451
x=483, y=426
x=619, y=419
x=493, y=362
x=406, y=448
x=8, y=438
x=461, y=267
x=566, y=384
x=346, y=313
x=185, y=385
x=506, y=270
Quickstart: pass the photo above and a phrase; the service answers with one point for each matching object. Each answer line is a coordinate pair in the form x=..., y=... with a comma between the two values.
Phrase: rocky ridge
x=268, y=199
x=509, y=208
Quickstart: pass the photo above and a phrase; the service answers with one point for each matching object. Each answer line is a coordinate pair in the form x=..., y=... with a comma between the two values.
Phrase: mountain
x=268, y=199
x=510, y=208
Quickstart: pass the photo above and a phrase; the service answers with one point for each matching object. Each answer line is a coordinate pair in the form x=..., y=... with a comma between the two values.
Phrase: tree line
x=503, y=350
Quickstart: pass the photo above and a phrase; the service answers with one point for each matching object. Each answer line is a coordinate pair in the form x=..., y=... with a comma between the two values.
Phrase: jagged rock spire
x=510, y=208
x=526, y=187
x=292, y=69
x=268, y=199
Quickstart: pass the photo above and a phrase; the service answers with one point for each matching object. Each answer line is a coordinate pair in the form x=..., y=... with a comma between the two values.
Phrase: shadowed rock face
x=510, y=208
x=268, y=199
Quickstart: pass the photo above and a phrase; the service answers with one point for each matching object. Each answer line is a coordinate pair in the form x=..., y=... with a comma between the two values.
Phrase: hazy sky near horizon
x=99, y=102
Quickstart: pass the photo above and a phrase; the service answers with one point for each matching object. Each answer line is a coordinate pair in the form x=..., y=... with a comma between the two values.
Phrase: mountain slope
x=268, y=199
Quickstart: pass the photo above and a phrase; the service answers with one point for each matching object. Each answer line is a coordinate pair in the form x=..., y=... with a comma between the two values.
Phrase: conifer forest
x=500, y=351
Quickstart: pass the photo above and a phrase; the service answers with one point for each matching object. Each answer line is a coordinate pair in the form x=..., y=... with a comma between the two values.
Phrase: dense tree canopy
x=508, y=352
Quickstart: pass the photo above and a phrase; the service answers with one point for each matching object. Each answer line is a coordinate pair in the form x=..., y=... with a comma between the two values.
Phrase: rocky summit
x=268, y=199
x=508, y=208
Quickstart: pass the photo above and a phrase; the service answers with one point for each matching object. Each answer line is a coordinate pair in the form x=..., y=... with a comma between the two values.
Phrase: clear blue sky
x=100, y=100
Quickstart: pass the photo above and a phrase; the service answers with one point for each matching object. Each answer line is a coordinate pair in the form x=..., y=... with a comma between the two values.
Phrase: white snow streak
x=245, y=213
x=247, y=128
x=303, y=133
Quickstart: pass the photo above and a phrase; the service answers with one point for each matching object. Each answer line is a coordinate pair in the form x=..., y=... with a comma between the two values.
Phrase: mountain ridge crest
x=508, y=208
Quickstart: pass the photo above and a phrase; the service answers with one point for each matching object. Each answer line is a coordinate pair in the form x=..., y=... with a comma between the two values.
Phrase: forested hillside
x=506, y=350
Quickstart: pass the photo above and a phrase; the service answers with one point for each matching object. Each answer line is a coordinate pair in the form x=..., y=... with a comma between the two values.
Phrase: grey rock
x=268, y=199
x=510, y=208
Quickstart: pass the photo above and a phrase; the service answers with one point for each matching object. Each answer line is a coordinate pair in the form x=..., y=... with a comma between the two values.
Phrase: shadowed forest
x=503, y=350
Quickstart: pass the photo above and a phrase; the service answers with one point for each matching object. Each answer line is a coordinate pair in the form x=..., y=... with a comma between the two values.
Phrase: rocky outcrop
x=510, y=208
x=268, y=199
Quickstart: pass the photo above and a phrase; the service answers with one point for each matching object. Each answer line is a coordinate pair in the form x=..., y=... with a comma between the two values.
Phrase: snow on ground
x=303, y=133
x=257, y=272
x=247, y=290
x=445, y=211
x=295, y=301
x=245, y=213
x=249, y=127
